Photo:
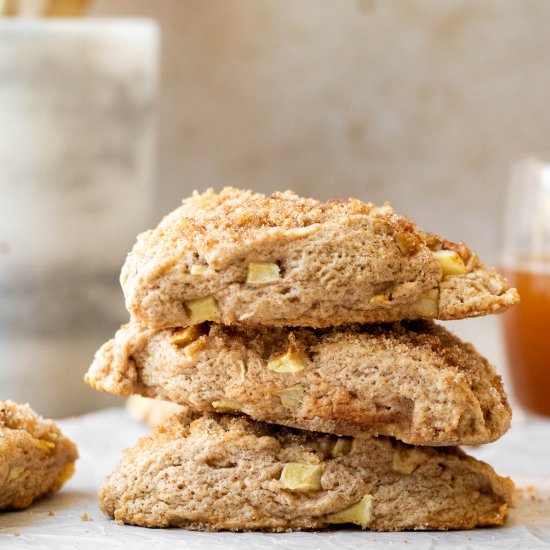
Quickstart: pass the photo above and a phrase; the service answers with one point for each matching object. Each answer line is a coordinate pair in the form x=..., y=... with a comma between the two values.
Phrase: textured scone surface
x=35, y=458
x=220, y=472
x=286, y=260
x=412, y=380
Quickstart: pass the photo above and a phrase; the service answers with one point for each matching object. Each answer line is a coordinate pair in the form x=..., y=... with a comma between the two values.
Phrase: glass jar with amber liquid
x=526, y=263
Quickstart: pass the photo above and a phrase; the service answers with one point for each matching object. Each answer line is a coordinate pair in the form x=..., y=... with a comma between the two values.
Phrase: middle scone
x=412, y=380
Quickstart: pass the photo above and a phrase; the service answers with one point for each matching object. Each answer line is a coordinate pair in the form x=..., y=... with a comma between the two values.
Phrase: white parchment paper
x=60, y=521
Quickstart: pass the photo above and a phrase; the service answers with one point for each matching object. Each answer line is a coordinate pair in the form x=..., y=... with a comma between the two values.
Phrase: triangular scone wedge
x=35, y=458
x=414, y=381
x=220, y=472
x=238, y=257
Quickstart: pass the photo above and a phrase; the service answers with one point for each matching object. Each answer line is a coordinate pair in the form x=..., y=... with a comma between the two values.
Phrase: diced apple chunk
x=184, y=336
x=227, y=406
x=291, y=398
x=358, y=513
x=202, y=309
x=341, y=448
x=292, y=360
x=402, y=464
x=302, y=478
x=262, y=272
x=15, y=472
x=382, y=300
x=45, y=445
x=427, y=306
x=201, y=270
x=451, y=262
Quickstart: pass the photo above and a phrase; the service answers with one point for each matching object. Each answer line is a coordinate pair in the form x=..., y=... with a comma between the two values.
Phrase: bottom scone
x=218, y=472
x=35, y=458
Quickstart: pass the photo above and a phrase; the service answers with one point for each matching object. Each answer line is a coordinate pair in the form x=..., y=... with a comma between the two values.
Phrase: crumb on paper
x=51, y=513
x=16, y=534
x=530, y=493
x=534, y=495
x=85, y=517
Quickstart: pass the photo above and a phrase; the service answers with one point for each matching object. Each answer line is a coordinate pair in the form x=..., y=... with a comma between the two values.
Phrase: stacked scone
x=300, y=336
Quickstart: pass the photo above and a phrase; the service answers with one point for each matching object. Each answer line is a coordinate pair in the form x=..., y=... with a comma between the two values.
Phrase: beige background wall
x=426, y=103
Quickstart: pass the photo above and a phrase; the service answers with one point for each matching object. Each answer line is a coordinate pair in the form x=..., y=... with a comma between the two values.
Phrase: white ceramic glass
x=77, y=134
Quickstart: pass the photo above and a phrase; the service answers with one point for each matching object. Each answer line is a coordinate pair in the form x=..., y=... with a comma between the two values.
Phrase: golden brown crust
x=340, y=262
x=35, y=458
x=414, y=381
x=217, y=472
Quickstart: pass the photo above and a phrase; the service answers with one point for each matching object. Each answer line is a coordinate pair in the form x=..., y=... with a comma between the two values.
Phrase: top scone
x=239, y=257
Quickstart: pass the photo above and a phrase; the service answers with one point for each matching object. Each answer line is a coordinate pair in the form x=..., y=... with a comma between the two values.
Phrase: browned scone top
x=218, y=472
x=35, y=458
x=239, y=257
x=413, y=380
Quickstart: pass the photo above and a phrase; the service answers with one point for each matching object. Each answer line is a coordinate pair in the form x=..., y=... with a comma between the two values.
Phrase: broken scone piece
x=35, y=458
x=347, y=380
x=218, y=472
x=239, y=257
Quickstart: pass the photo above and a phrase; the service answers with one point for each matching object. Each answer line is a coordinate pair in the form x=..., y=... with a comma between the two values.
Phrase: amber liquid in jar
x=527, y=337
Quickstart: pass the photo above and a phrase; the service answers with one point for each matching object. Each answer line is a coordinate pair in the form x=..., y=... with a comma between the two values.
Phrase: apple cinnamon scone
x=413, y=380
x=35, y=458
x=217, y=472
x=239, y=257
